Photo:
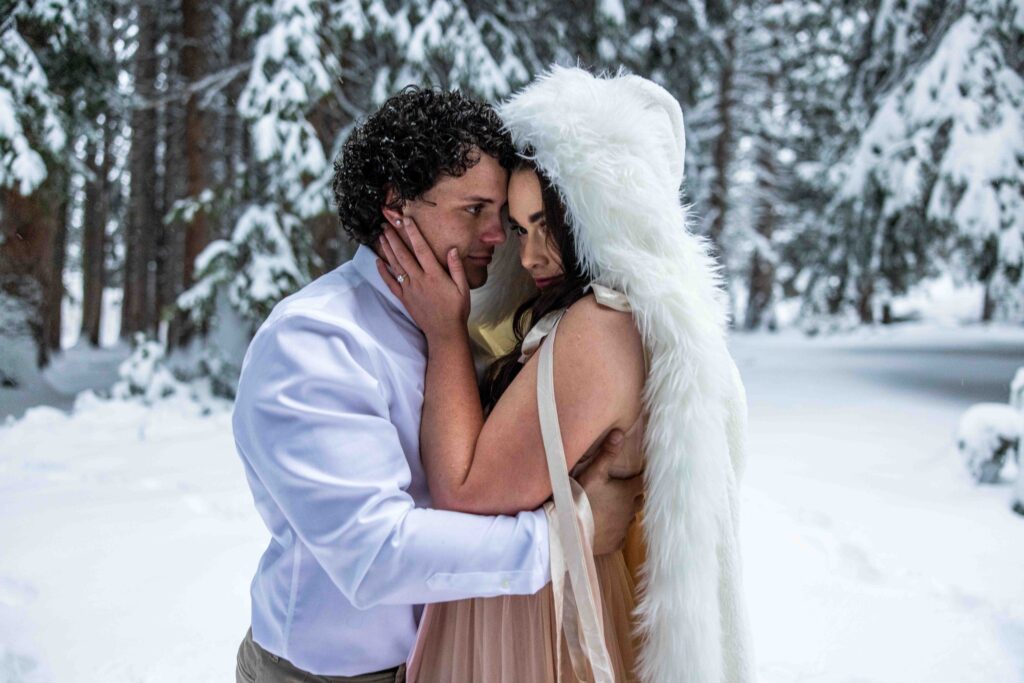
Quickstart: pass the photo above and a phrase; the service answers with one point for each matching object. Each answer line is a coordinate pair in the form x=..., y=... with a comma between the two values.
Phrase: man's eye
x=476, y=210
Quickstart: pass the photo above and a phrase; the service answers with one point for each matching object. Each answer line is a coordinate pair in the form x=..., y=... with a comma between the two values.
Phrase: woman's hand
x=437, y=301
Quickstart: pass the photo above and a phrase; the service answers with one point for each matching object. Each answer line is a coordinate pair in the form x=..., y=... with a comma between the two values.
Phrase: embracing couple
x=572, y=513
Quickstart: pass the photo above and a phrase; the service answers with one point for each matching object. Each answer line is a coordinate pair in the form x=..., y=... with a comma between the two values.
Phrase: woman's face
x=537, y=252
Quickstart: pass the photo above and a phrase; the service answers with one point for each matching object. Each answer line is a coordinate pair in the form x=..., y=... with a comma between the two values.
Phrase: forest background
x=165, y=167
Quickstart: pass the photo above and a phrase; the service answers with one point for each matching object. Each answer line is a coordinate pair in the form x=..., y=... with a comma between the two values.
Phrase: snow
x=145, y=373
x=76, y=368
x=265, y=136
x=349, y=14
x=130, y=537
x=941, y=300
x=428, y=33
x=613, y=11
x=949, y=138
x=211, y=252
x=988, y=433
x=268, y=275
x=71, y=313
x=25, y=94
x=1018, y=496
x=8, y=123
x=1017, y=390
x=870, y=555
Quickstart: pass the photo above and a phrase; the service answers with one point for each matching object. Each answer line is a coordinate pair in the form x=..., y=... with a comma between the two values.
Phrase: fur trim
x=614, y=147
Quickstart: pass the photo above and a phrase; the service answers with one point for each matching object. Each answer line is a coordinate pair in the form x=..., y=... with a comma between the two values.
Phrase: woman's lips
x=544, y=282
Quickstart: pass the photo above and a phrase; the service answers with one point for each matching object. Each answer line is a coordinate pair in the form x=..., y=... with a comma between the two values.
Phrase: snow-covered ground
x=869, y=553
x=129, y=538
x=79, y=366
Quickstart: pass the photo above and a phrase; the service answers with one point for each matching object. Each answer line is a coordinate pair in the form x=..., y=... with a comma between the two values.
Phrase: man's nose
x=493, y=233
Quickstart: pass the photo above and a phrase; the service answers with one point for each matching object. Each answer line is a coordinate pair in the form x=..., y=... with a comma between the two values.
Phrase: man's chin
x=476, y=277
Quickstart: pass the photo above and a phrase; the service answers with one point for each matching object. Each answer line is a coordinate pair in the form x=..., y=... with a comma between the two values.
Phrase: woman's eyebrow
x=537, y=216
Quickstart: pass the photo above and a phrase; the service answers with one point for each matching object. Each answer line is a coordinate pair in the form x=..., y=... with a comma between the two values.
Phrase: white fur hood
x=614, y=147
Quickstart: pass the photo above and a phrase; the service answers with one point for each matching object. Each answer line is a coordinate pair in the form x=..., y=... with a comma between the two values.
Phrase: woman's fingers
x=389, y=256
x=457, y=271
x=389, y=279
x=406, y=261
x=424, y=254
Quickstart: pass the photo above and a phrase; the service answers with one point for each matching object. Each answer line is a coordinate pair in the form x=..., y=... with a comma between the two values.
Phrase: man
x=327, y=419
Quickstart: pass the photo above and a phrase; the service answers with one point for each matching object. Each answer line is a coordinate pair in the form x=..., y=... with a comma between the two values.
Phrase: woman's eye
x=518, y=230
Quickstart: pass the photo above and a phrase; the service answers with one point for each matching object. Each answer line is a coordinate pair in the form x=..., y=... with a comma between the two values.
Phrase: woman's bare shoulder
x=602, y=329
x=600, y=349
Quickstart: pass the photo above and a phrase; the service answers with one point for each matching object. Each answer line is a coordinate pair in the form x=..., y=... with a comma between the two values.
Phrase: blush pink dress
x=577, y=628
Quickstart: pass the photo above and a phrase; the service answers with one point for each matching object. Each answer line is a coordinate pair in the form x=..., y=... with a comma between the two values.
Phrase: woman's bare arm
x=452, y=418
x=499, y=466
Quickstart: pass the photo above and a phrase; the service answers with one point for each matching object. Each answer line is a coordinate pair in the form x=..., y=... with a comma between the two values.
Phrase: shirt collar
x=365, y=262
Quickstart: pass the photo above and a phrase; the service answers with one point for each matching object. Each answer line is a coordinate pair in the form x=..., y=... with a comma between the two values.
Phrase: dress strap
x=580, y=604
x=608, y=297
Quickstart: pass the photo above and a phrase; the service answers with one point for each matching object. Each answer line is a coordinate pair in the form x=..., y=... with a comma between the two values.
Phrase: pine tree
x=36, y=41
x=935, y=177
x=312, y=62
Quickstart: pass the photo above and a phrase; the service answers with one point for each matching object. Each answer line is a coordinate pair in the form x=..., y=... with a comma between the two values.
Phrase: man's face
x=464, y=213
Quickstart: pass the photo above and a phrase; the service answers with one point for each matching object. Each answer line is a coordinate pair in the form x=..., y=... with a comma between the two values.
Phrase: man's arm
x=311, y=419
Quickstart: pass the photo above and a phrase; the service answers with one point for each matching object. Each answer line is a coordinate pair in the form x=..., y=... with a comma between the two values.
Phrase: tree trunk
x=762, y=282
x=722, y=151
x=327, y=238
x=171, y=252
x=988, y=304
x=54, y=283
x=234, y=126
x=137, y=313
x=762, y=269
x=196, y=36
x=865, y=299
x=94, y=236
x=26, y=261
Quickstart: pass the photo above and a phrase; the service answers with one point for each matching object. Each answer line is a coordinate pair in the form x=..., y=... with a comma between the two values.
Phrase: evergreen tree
x=935, y=178
x=38, y=41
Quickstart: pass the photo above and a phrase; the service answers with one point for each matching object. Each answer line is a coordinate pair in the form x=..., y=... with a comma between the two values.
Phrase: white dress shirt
x=327, y=422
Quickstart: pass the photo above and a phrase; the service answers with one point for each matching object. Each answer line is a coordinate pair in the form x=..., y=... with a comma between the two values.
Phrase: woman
x=632, y=310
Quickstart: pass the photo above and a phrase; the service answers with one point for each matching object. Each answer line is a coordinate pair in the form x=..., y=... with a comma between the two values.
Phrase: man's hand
x=613, y=501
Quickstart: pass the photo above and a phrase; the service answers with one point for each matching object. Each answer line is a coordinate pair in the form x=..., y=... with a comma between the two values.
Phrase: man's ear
x=394, y=211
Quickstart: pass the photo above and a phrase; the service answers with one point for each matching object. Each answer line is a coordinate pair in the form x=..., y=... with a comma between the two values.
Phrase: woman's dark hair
x=561, y=295
x=415, y=137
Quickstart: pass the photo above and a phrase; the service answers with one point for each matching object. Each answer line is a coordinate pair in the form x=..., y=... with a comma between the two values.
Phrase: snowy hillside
x=129, y=537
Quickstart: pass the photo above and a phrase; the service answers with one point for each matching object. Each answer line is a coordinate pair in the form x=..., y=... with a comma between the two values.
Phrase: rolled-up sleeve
x=312, y=423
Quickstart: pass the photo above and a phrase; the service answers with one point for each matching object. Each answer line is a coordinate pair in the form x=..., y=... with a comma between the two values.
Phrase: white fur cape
x=614, y=147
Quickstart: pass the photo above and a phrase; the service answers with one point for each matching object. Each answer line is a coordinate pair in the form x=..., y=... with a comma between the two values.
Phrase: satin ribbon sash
x=577, y=602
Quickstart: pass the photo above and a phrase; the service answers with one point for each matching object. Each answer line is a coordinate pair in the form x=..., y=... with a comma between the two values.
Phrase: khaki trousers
x=256, y=665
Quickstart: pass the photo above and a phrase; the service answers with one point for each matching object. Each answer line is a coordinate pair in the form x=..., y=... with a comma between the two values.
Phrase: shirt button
x=505, y=585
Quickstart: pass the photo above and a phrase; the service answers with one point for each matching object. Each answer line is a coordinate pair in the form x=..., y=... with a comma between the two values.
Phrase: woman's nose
x=533, y=254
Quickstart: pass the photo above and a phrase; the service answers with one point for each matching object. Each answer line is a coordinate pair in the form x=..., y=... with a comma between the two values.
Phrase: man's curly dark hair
x=415, y=137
